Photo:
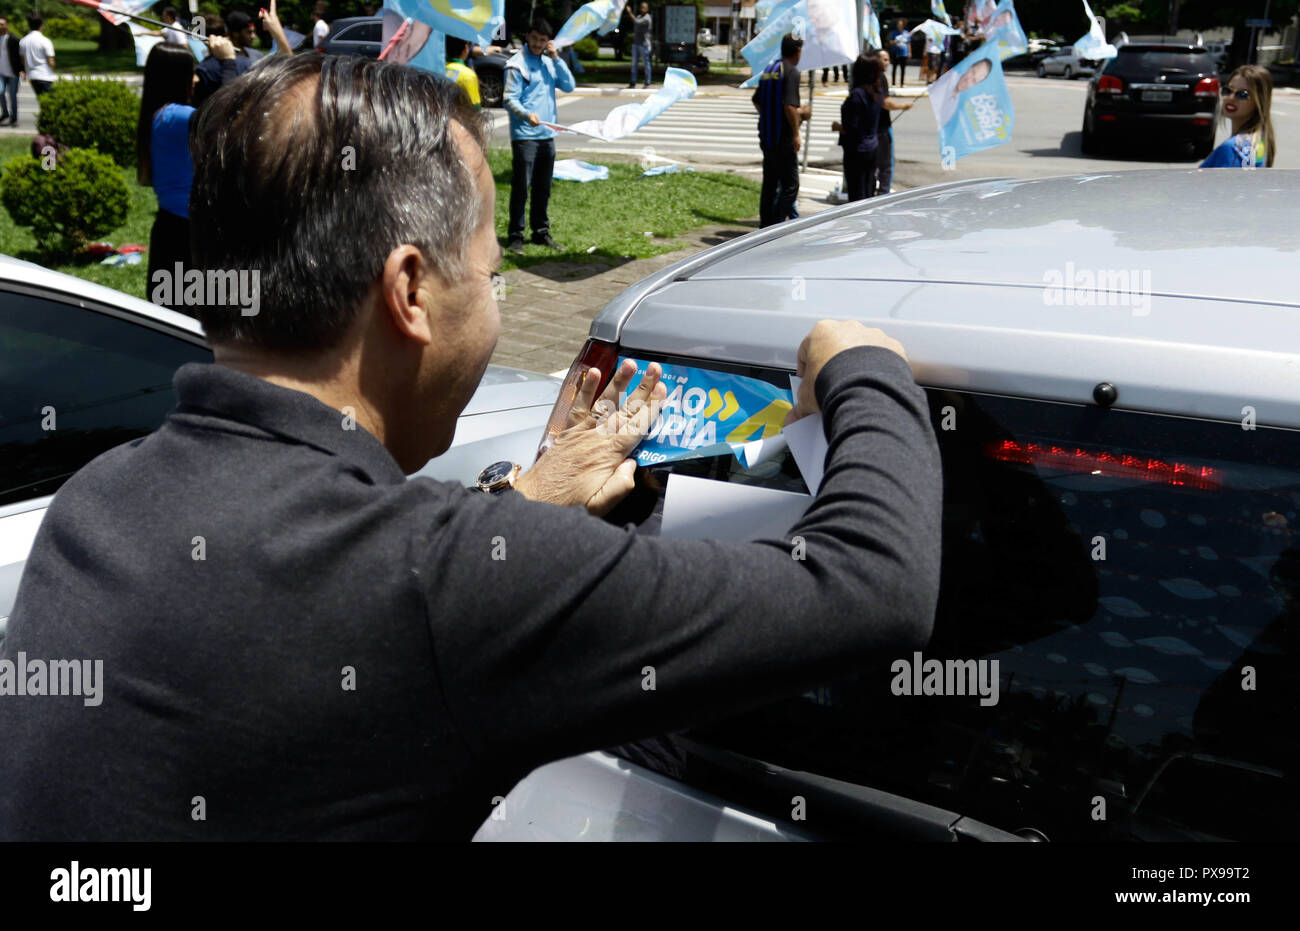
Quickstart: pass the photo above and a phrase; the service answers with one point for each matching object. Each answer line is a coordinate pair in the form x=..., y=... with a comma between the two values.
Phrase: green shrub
x=71, y=27
x=586, y=48
x=82, y=197
x=92, y=113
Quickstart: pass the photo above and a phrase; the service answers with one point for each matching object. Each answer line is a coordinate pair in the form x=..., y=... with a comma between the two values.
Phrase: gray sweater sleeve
x=548, y=624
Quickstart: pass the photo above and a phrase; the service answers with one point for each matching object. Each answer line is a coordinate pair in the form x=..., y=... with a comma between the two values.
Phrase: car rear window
x=1153, y=62
x=1137, y=578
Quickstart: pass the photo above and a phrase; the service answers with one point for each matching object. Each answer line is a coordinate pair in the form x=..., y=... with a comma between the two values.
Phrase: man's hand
x=534, y=119
x=550, y=50
x=828, y=339
x=797, y=143
x=805, y=113
x=588, y=464
x=221, y=48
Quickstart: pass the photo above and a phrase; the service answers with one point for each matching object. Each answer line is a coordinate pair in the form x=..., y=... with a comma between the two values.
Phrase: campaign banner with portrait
x=972, y=105
x=1003, y=29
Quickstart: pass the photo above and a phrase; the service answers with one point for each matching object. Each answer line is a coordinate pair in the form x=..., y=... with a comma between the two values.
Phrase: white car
x=1067, y=64
x=84, y=368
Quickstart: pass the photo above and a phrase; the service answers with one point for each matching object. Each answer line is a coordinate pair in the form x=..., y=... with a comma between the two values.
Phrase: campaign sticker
x=710, y=414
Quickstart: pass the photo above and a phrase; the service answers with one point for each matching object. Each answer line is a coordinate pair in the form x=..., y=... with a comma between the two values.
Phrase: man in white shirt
x=38, y=55
x=12, y=68
x=172, y=33
x=319, y=30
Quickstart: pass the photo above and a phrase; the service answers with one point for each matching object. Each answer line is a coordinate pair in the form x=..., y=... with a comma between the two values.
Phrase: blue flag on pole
x=599, y=16
x=871, y=26
x=972, y=105
x=938, y=12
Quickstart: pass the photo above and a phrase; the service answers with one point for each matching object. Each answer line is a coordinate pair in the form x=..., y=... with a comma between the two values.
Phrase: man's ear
x=407, y=289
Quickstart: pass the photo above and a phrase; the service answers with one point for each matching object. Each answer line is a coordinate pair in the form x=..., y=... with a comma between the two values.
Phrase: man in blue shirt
x=532, y=76
x=779, y=116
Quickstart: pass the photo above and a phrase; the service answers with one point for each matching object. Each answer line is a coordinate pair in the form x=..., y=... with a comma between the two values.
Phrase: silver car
x=1067, y=64
x=1115, y=386
x=84, y=368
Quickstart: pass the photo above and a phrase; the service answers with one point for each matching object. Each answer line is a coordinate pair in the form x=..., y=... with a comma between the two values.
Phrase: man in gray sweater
x=286, y=638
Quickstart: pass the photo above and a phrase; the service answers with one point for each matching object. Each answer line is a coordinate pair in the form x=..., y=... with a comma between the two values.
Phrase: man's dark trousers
x=534, y=162
x=883, y=174
x=780, y=183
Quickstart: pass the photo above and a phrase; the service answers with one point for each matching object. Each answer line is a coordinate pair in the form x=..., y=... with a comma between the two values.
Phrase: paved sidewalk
x=548, y=308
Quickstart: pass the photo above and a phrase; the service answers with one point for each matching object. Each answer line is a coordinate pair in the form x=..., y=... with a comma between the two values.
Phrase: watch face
x=495, y=474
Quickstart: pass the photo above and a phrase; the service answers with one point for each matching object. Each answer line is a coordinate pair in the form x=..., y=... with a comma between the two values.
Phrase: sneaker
x=545, y=240
x=516, y=246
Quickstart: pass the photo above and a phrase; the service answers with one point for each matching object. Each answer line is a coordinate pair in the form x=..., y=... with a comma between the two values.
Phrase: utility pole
x=733, y=40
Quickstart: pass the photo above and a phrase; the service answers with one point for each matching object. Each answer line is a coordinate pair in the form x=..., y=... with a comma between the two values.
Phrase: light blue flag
x=871, y=26
x=935, y=31
x=114, y=9
x=143, y=43
x=972, y=105
x=938, y=12
x=1003, y=29
x=1094, y=44
x=474, y=20
x=762, y=10
x=765, y=47
x=599, y=16
x=679, y=84
x=420, y=45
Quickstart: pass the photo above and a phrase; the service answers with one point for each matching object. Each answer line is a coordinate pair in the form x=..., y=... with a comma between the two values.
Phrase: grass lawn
x=82, y=56
x=608, y=219
x=19, y=242
x=599, y=220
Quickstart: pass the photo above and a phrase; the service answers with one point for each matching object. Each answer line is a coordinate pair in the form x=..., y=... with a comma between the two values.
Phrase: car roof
x=27, y=274
x=960, y=272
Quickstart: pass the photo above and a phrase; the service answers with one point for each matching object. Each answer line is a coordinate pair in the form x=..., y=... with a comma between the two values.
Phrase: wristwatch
x=498, y=477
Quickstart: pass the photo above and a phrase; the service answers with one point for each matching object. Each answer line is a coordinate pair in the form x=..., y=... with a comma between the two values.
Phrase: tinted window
x=1153, y=62
x=1129, y=573
x=362, y=32
x=98, y=381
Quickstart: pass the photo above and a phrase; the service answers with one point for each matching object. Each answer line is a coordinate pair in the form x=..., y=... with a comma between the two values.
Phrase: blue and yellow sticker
x=709, y=413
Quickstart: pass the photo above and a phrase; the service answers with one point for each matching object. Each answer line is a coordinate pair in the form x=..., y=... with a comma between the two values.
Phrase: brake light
x=1207, y=87
x=1109, y=84
x=1106, y=464
x=595, y=354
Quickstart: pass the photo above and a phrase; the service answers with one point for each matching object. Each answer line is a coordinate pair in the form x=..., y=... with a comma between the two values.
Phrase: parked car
x=1037, y=51
x=102, y=363
x=1067, y=64
x=1113, y=385
x=1170, y=91
x=363, y=35
x=704, y=37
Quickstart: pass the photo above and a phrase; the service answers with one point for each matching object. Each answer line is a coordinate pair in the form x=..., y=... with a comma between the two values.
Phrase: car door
x=76, y=379
x=362, y=39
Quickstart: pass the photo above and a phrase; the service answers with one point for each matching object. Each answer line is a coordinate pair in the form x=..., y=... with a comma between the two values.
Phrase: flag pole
x=100, y=8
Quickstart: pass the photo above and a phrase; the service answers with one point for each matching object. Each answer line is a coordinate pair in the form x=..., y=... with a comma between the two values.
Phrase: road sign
x=1259, y=23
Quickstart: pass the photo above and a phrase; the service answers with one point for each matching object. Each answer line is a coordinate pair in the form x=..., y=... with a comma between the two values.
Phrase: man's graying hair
x=310, y=170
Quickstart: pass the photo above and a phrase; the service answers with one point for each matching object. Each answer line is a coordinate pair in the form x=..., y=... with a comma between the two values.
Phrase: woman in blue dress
x=1246, y=100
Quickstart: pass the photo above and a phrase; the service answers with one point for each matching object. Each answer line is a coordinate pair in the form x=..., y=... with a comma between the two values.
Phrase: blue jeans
x=533, y=164
x=9, y=99
x=643, y=53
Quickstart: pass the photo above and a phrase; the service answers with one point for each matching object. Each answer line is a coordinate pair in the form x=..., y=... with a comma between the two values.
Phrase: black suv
x=1169, y=90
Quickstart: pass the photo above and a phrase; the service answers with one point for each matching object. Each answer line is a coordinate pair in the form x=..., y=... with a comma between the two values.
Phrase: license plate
x=1158, y=96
